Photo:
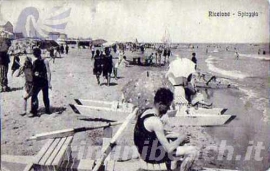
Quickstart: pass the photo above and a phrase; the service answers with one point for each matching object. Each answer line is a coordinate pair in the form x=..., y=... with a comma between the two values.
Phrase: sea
x=249, y=101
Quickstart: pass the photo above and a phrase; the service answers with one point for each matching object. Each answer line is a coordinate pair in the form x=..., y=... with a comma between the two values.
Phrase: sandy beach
x=72, y=78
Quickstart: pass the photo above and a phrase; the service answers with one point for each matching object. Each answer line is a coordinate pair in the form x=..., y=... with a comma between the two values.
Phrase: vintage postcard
x=126, y=85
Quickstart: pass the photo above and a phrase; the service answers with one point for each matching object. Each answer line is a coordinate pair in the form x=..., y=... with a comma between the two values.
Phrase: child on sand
x=26, y=69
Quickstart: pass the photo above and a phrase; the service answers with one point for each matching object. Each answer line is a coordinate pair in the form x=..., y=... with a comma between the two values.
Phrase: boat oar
x=69, y=132
x=112, y=143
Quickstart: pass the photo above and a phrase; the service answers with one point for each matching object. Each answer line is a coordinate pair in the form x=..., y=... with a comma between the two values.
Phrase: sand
x=72, y=78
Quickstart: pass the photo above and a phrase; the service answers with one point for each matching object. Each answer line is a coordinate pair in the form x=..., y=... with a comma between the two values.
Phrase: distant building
x=54, y=35
x=63, y=36
x=57, y=35
x=6, y=27
x=18, y=35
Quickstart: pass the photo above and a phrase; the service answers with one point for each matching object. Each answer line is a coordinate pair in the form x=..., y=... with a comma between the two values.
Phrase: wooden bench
x=52, y=154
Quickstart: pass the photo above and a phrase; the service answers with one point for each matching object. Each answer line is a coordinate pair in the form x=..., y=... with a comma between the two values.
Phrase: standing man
x=41, y=81
x=107, y=65
x=62, y=49
x=194, y=59
x=4, y=61
x=151, y=141
x=58, y=51
x=93, y=51
x=67, y=48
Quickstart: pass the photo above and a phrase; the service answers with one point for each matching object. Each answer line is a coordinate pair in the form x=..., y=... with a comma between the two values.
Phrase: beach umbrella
x=179, y=70
x=141, y=90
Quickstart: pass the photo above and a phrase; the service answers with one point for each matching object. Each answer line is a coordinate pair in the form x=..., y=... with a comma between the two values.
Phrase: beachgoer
x=16, y=63
x=152, y=143
x=93, y=51
x=236, y=55
x=4, y=61
x=142, y=49
x=41, y=81
x=116, y=62
x=67, y=48
x=169, y=53
x=107, y=65
x=149, y=59
x=194, y=59
x=51, y=50
x=62, y=49
x=27, y=70
x=98, y=64
x=58, y=51
x=193, y=96
x=165, y=55
x=159, y=52
x=124, y=61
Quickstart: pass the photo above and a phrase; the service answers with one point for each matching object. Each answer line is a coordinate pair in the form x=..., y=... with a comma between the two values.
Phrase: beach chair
x=52, y=155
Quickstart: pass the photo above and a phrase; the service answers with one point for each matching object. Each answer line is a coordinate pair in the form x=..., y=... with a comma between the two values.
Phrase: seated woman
x=193, y=96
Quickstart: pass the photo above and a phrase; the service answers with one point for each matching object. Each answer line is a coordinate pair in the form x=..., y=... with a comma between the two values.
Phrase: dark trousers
x=34, y=100
x=3, y=76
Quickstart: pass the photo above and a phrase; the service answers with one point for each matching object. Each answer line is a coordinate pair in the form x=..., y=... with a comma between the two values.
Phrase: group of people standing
x=106, y=64
x=37, y=76
x=103, y=64
x=57, y=51
x=165, y=52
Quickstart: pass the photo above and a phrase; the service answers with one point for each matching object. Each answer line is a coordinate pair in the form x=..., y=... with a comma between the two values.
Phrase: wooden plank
x=162, y=166
x=115, y=105
x=156, y=166
x=200, y=120
x=28, y=167
x=17, y=159
x=85, y=165
x=143, y=165
x=204, y=111
x=53, y=134
x=49, y=152
x=71, y=132
x=95, y=101
x=117, y=135
x=43, y=151
x=60, y=156
x=110, y=165
x=81, y=107
x=56, y=151
x=150, y=166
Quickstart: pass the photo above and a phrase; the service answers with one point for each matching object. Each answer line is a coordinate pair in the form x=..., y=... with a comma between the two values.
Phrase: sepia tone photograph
x=135, y=85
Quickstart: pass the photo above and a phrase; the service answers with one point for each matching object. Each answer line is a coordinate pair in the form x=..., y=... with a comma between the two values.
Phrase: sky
x=186, y=21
